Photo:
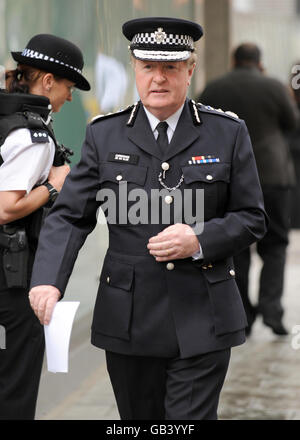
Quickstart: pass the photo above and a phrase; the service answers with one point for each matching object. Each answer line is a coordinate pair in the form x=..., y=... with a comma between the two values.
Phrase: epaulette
x=217, y=111
x=131, y=108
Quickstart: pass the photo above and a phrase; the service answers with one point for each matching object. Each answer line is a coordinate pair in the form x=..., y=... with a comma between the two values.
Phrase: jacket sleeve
x=245, y=220
x=71, y=219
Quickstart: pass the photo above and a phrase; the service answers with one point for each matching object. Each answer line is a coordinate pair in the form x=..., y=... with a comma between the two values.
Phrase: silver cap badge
x=160, y=35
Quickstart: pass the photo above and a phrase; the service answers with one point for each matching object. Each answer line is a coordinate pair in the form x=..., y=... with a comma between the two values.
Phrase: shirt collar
x=172, y=120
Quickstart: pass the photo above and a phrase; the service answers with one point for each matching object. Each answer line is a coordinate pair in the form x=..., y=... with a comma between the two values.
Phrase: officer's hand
x=174, y=242
x=57, y=176
x=42, y=300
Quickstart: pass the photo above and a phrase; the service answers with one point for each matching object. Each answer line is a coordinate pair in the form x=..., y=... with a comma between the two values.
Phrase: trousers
x=148, y=388
x=21, y=356
x=272, y=251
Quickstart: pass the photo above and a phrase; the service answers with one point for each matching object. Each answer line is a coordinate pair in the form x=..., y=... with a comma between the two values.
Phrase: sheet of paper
x=57, y=336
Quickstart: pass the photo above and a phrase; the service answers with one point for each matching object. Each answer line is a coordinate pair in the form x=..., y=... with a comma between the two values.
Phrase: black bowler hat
x=162, y=38
x=56, y=55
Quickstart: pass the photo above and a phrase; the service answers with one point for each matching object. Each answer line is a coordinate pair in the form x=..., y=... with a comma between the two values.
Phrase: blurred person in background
x=110, y=83
x=32, y=173
x=294, y=142
x=269, y=112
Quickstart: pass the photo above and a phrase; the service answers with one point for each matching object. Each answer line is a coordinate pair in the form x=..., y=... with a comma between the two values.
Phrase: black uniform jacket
x=144, y=307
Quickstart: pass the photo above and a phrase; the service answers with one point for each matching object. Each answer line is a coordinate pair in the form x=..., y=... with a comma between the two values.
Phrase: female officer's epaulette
x=131, y=108
x=20, y=110
x=197, y=107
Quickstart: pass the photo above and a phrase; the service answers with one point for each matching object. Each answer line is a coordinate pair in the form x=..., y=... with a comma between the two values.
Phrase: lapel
x=185, y=134
x=141, y=134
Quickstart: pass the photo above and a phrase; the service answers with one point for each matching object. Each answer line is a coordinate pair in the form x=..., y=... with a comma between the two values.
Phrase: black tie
x=162, y=140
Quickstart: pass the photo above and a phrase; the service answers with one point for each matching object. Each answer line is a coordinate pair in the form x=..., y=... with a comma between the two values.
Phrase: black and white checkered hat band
x=167, y=39
x=40, y=56
x=161, y=55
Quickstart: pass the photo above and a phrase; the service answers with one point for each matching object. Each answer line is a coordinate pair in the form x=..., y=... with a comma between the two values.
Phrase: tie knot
x=162, y=127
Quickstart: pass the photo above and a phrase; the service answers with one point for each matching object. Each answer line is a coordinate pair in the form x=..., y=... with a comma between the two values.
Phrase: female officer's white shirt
x=26, y=164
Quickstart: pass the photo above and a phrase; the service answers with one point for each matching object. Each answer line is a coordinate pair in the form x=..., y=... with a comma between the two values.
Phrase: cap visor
x=161, y=55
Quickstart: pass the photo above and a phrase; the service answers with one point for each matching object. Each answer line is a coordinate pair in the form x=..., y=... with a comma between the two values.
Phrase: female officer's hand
x=42, y=300
x=57, y=176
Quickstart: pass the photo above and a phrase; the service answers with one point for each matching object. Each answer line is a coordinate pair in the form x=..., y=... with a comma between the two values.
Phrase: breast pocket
x=213, y=179
x=113, y=308
x=120, y=185
x=119, y=172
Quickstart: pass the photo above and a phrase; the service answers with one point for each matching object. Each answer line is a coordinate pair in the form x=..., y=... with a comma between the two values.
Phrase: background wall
x=95, y=25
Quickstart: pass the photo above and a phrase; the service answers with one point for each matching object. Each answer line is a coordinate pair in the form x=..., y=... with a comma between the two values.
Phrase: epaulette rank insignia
x=38, y=136
x=133, y=109
x=219, y=110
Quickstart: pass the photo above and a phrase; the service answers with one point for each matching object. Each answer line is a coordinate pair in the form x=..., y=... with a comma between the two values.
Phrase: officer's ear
x=191, y=68
x=48, y=81
x=132, y=61
x=191, y=64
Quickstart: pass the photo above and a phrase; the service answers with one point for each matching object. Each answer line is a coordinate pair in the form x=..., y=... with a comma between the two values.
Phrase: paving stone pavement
x=263, y=381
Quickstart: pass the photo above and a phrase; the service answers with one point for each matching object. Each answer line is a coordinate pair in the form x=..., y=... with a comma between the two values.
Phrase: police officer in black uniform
x=32, y=173
x=168, y=309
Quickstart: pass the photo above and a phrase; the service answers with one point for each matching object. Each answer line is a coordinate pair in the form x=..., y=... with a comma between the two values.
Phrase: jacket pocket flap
x=115, y=273
x=208, y=173
x=219, y=271
x=119, y=172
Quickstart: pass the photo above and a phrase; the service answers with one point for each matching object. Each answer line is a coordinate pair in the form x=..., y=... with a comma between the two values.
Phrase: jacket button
x=165, y=166
x=232, y=272
x=209, y=177
x=119, y=177
x=204, y=267
x=170, y=266
x=108, y=280
x=168, y=200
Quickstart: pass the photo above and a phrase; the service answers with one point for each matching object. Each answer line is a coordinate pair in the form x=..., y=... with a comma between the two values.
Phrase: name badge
x=123, y=157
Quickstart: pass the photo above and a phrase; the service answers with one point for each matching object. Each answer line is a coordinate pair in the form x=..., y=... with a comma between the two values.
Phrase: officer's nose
x=159, y=75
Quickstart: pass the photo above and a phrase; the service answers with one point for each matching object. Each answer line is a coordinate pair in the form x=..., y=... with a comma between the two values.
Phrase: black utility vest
x=20, y=110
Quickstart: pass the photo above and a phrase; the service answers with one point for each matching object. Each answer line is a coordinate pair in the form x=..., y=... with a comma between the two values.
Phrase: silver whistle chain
x=174, y=187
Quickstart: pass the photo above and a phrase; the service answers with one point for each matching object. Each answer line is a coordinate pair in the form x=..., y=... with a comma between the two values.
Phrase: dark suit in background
x=268, y=110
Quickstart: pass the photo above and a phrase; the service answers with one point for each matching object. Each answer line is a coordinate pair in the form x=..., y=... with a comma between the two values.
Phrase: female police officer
x=48, y=69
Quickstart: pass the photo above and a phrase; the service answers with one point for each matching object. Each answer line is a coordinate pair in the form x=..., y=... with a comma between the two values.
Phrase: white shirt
x=26, y=164
x=172, y=124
